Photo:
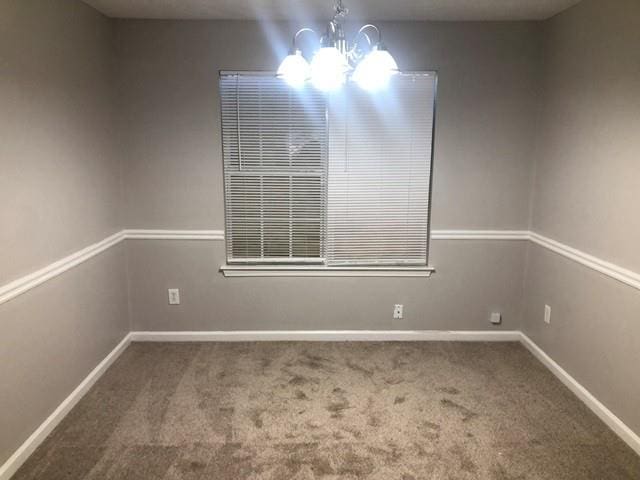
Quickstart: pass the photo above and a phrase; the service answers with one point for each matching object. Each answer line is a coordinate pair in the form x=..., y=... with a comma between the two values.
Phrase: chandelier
x=366, y=61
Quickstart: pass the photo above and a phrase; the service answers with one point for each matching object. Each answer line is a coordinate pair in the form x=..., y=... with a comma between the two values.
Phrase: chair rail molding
x=599, y=265
x=174, y=234
x=32, y=280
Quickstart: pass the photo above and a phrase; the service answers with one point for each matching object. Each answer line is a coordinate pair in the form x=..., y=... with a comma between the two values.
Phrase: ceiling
x=322, y=9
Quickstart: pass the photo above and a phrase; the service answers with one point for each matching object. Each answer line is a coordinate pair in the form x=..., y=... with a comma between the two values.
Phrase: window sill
x=322, y=271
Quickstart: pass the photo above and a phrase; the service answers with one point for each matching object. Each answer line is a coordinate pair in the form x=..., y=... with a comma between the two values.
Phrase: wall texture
x=59, y=192
x=168, y=93
x=586, y=195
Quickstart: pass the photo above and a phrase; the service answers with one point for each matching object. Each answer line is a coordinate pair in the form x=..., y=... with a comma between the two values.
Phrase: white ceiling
x=322, y=9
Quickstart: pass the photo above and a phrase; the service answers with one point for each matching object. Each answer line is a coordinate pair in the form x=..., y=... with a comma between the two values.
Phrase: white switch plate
x=397, y=311
x=547, y=314
x=496, y=318
x=174, y=296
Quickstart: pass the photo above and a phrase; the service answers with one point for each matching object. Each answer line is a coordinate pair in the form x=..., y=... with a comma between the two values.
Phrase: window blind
x=274, y=141
x=379, y=173
x=339, y=180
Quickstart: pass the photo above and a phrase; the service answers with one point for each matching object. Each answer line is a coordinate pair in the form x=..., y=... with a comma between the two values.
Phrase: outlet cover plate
x=174, y=296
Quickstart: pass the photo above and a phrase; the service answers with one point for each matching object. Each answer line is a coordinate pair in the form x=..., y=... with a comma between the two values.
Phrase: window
x=275, y=149
x=331, y=182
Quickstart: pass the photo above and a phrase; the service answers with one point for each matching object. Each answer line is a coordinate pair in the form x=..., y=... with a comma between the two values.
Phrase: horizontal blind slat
x=274, y=147
x=379, y=169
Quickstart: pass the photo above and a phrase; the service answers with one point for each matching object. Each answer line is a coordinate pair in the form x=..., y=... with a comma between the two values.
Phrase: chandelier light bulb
x=328, y=69
x=294, y=69
x=375, y=70
x=333, y=63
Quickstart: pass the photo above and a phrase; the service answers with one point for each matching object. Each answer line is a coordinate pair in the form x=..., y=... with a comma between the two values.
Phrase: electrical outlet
x=174, y=296
x=397, y=311
x=496, y=318
x=547, y=314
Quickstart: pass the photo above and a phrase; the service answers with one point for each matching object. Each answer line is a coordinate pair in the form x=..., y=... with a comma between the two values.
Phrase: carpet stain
x=449, y=390
x=391, y=455
x=354, y=464
x=232, y=460
x=374, y=421
x=255, y=416
x=337, y=408
x=399, y=400
x=431, y=425
x=498, y=472
x=315, y=362
x=430, y=431
x=298, y=380
x=464, y=411
x=306, y=455
x=465, y=461
x=300, y=395
x=393, y=380
x=359, y=368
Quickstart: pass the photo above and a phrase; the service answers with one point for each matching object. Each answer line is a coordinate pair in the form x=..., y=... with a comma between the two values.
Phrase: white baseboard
x=28, y=447
x=603, y=413
x=328, y=336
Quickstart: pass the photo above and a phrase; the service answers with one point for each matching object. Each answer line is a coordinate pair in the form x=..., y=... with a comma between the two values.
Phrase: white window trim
x=323, y=271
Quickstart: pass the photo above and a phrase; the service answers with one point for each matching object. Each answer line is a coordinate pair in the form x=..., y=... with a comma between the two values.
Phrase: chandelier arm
x=363, y=28
x=359, y=36
x=300, y=32
x=354, y=53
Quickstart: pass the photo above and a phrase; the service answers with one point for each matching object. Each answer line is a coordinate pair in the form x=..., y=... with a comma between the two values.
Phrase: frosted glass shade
x=375, y=70
x=294, y=70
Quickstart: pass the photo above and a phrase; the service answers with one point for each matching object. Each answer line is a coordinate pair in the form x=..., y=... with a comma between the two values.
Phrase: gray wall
x=476, y=278
x=59, y=192
x=587, y=152
x=168, y=74
x=587, y=195
x=60, y=175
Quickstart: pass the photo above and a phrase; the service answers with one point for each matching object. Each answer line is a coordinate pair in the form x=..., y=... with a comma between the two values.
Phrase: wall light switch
x=174, y=296
x=547, y=314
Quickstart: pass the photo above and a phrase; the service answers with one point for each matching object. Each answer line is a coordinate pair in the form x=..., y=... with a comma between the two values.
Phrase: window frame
x=262, y=267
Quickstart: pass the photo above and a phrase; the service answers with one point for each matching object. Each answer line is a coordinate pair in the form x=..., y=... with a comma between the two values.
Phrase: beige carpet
x=406, y=411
